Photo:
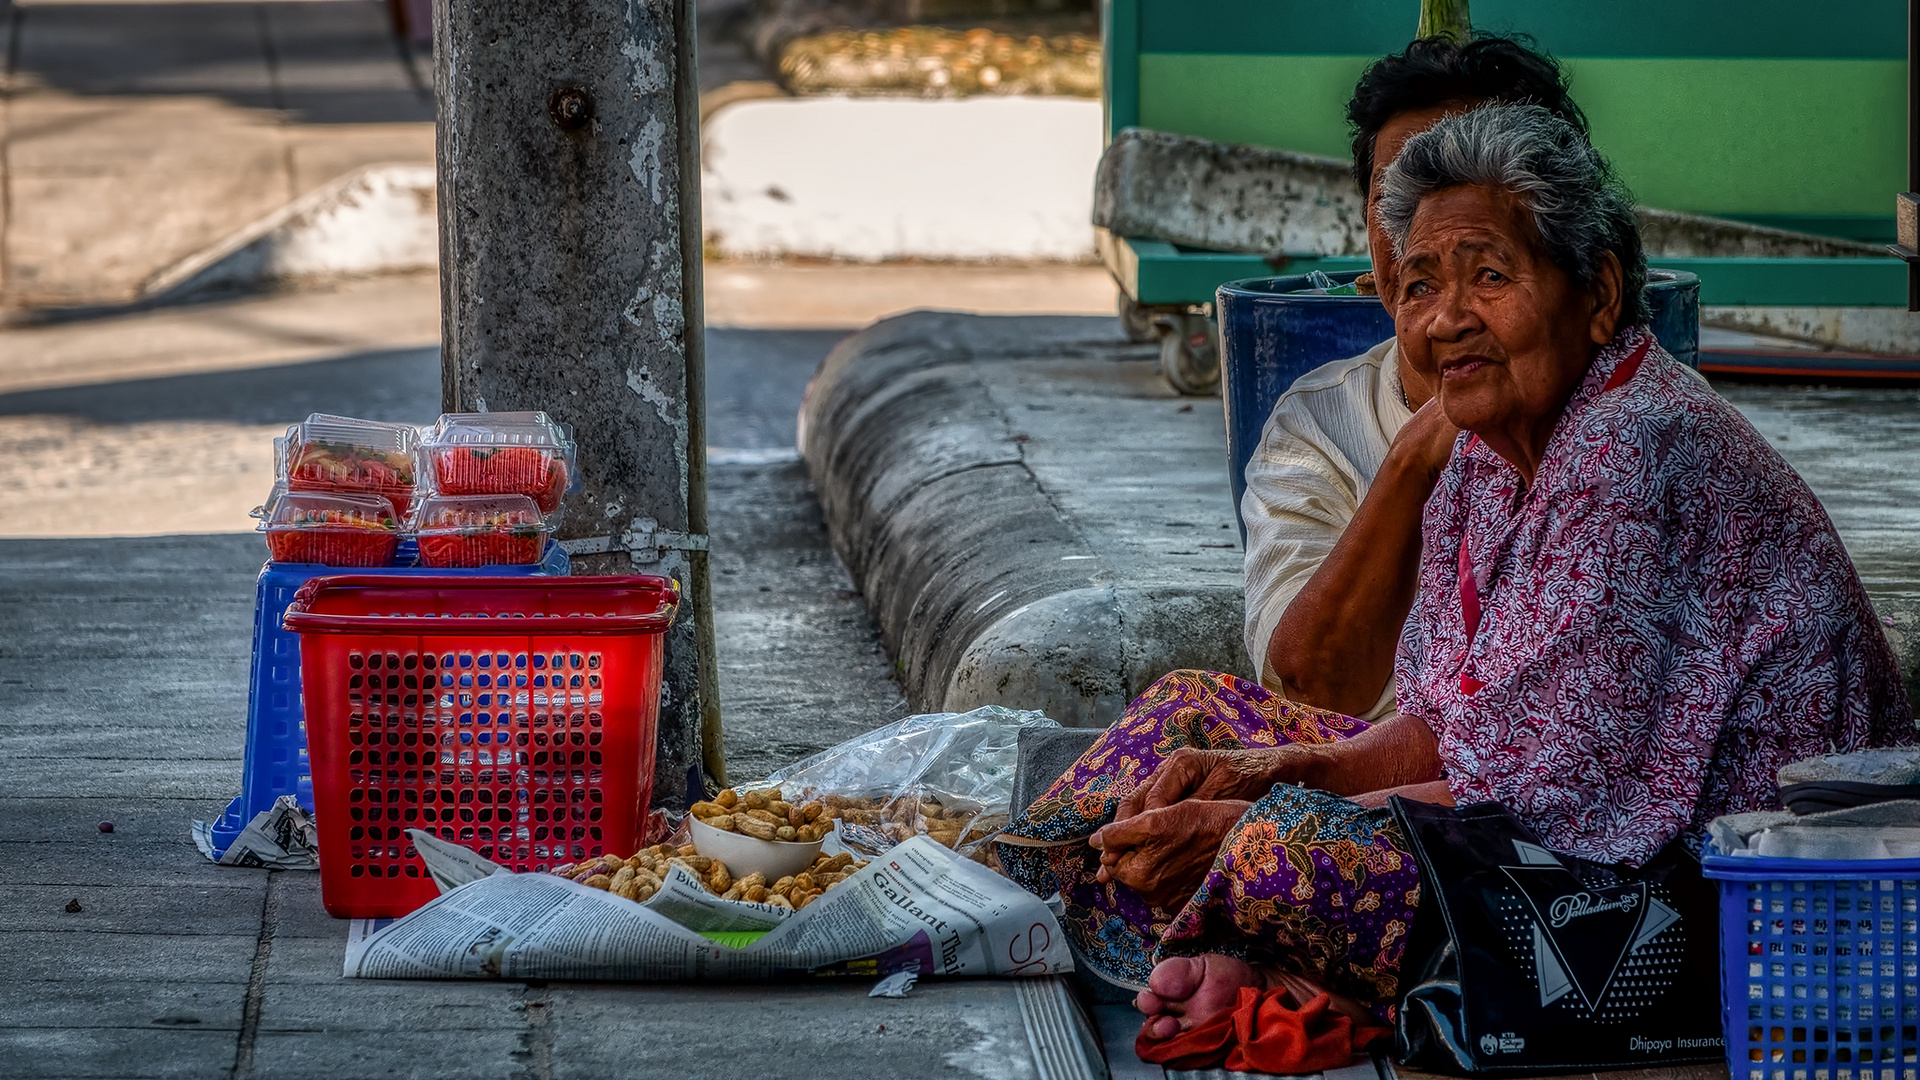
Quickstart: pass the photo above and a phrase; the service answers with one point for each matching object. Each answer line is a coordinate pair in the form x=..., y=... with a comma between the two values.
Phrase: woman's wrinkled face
x=1479, y=302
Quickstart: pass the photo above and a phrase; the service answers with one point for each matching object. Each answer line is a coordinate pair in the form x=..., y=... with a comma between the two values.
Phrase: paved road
x=138, y=133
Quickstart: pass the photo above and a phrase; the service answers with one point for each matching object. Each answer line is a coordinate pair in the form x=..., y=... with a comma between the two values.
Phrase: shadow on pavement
x=755, y=379
x=323, y=62
x=400, y=385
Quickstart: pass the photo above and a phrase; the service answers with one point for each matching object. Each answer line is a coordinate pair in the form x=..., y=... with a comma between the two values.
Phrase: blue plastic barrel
x=1271, y=334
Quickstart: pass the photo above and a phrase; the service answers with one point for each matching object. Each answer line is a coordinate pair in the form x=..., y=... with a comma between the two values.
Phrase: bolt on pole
x=570, y=283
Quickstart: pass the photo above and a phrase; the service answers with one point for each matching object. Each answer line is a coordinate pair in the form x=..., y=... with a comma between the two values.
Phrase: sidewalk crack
x=257, y=978
x=536, y=1042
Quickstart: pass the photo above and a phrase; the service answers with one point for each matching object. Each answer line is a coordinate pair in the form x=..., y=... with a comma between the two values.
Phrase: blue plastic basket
x=1818, y=967
x=276, y=759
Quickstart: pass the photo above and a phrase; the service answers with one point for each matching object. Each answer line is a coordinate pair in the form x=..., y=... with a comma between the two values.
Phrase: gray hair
x=1580, y=210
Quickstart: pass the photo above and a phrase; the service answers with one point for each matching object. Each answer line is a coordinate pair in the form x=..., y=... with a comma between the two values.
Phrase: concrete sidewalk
x=123, y=682
x=1037, y=520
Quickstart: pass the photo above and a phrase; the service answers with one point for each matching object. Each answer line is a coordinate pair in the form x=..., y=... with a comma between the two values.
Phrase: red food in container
x=510, y=453
x=332, y=529
x=480, y=530
x=341, y=454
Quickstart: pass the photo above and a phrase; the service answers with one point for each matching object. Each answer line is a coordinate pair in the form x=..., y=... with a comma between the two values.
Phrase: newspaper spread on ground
x=280, y=837
x=917, y=907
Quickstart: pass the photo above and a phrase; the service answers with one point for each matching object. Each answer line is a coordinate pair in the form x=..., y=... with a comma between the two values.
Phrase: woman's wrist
x=1304, y=765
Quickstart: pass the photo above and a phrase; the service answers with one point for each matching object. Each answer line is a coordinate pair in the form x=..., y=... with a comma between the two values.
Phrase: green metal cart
x=1773, y=112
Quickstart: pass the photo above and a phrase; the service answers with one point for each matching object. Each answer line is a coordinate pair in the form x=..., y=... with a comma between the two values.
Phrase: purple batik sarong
x=1308, y=882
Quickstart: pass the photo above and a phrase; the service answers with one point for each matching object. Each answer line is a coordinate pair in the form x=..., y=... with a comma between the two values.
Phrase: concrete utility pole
x=570, y=282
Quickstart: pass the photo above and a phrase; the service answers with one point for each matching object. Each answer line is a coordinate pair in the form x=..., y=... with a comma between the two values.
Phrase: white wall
x=878, y=178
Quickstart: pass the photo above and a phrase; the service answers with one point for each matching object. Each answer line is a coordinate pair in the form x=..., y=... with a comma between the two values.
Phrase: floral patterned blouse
x=1635, y=644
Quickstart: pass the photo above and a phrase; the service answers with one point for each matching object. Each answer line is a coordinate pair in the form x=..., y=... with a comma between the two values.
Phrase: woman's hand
x=1427, y=441
x=1164, y=853
x=1220, y=774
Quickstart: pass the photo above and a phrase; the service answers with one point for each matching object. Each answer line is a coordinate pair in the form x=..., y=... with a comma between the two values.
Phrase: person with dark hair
x=1349, y=454
x=1628, y=613
x=1332, y=510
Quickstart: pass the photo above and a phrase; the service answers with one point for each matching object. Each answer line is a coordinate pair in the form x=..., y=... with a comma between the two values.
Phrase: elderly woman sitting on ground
x=1631, y=612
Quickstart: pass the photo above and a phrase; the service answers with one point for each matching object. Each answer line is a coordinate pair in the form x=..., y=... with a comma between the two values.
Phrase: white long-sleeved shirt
x=1322, y=447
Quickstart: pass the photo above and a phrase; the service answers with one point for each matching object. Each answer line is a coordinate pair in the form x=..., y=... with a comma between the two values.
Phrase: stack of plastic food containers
x=474, y=490
x=478, y=495
x=515, y=453
x=496, y=481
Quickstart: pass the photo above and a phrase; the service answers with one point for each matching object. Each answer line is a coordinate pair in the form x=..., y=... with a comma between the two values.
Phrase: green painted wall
x=1286, y=102
x=1751, y=136
x=1735, y=136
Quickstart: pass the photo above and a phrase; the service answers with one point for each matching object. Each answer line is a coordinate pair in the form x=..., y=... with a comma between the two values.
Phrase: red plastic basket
x=515, y=716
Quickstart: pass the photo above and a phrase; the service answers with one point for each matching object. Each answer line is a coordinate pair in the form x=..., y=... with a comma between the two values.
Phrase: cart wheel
x=1136, y=319
x=1189, y=355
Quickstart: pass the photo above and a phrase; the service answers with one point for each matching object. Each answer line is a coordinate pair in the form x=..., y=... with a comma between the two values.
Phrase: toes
x=1148, y=1002
x=1176, y=978
x=1161, y=1027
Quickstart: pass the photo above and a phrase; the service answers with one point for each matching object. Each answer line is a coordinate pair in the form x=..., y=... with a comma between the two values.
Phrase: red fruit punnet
x=400, y=495
x=328, y=546
x=539, y=474
x=480, y=549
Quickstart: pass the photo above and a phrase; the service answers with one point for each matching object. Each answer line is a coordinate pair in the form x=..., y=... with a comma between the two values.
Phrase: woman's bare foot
x=1187, y=991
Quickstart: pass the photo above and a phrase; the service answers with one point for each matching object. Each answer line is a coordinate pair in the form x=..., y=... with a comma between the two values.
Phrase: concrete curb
x=987, y=585
x=378, y=220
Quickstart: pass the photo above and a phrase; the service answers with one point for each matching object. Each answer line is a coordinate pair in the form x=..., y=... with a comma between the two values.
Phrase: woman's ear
x=1605, y=291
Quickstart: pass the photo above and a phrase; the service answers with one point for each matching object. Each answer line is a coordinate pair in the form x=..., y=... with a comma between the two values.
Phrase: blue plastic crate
x=276, y=760
x=1819, y=975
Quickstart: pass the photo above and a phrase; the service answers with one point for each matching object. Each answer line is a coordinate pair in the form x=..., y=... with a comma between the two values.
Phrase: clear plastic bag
x=945, y=775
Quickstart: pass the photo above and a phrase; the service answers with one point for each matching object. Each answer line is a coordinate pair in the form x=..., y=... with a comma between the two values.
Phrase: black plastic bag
x=1522, y=960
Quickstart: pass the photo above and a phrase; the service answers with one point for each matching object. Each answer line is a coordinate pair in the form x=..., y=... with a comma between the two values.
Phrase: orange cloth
x=1264, y=1034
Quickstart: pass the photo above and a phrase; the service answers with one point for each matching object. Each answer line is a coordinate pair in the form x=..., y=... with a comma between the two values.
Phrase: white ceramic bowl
x=746, y=855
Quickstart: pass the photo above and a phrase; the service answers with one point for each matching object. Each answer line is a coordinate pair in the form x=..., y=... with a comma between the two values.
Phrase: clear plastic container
x=341, y=454
x=504, y=453
x=480, y=530
x=332, y=529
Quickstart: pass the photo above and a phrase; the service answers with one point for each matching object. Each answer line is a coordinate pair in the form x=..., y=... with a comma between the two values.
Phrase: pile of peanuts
x=641, y=876
x=902, y=818
x=764, y=815
x=767, y=816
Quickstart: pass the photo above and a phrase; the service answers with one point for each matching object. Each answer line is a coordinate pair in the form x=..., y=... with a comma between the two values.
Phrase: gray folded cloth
x=1887, y=830
x=1894, y=768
